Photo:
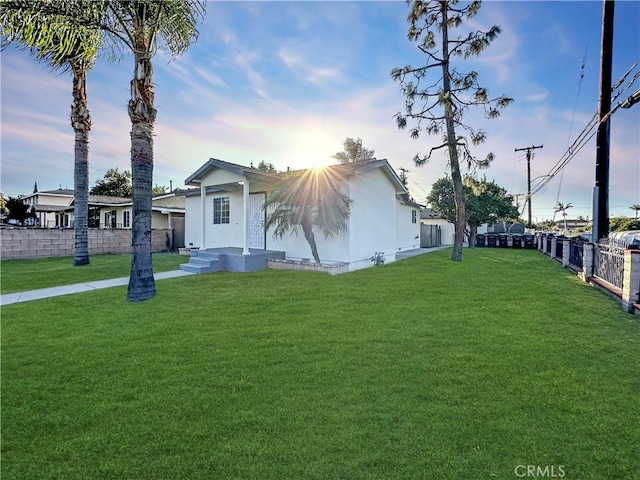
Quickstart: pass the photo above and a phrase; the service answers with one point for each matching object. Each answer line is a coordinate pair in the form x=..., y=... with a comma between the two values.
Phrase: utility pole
x=403, y=176
x=601, y=190
x=529, y=156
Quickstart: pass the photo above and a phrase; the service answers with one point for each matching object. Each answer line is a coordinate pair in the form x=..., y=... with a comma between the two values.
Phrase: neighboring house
x=447, y=229
x=50, y=207
x=55, y=209
x=117, y=212
x=574, y=225
x=226, y=210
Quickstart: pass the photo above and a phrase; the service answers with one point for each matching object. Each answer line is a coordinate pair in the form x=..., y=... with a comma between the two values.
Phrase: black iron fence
x=576, y=251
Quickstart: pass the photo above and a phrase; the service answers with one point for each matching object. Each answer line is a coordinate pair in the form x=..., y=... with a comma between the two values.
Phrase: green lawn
x=20, y=275
x=420, y=369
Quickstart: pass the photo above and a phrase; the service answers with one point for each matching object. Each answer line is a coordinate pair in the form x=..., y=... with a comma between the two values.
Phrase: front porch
x=229, y=259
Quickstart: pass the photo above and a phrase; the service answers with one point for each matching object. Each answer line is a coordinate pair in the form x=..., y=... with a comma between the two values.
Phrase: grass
x=21, y=275
x=422, y=368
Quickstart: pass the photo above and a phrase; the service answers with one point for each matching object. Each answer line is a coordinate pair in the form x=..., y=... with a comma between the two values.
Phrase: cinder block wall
x=41, y=242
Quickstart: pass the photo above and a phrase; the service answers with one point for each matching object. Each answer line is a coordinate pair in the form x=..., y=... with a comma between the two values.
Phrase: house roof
x=108, y=200
x=40, y=207
x=63, y=192
x=406, y=200
x=345, y=169
x=195, y=178
x=428, y=213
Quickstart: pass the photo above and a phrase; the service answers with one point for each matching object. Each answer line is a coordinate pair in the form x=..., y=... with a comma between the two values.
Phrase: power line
x=589, y=131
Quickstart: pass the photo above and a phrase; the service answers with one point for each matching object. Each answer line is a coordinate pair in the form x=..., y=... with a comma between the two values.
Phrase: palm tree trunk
x=81, y=123
x=456, y=177
x=142, y=114
x=307, y=228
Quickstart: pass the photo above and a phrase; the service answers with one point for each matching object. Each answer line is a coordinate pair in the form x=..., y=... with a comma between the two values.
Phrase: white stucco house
x=226, y=210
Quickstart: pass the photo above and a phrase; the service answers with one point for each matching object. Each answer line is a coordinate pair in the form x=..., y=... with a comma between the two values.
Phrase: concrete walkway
x=30, y=295
x=418, y=251
x=19, y=297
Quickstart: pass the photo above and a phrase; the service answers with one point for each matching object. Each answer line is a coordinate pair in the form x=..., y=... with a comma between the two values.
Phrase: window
x=220, y=210
x=126, y=219
x=414, y=216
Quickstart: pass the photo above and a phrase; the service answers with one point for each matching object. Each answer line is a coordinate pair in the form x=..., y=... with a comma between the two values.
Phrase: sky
x=287, y=82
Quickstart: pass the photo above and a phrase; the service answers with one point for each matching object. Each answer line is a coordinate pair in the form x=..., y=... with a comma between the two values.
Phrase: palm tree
x=141, y=25
x=560, y=207
x=635, y=207
x=53, y=40
x=306, y=199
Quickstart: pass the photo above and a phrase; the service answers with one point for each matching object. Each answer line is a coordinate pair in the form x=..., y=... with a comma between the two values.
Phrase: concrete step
x=189, y=267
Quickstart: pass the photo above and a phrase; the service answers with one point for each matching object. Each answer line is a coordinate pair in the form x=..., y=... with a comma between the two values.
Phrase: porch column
x=245, y=217
x=203, y=214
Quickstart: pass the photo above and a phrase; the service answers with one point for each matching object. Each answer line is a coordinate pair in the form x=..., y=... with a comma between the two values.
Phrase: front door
x=256, y=217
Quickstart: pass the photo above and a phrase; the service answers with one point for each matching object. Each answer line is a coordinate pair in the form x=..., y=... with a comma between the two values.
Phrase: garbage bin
x=529, y=241
x=503, y=240
x=480, y=240
x=492, y=240
x=516, y=241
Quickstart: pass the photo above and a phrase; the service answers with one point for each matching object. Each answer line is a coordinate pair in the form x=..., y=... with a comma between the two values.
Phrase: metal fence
x=608, y=261
x=559, y=243
x=430, y=236
x=576, y=250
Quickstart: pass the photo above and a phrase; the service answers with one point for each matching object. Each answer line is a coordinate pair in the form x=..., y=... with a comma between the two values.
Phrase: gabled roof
x=344, y=169
x=195, y=178
x=60, y=191
x=406, y=200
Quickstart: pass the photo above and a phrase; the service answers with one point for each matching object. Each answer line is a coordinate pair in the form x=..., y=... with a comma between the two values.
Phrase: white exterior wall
x=373, y=218
x=329, y=250
x=216, y=236
x=192, y=220
x=225, y=234
x=408, y=234
x=219, y=177
x=447, y=229
x=297, y=247
x=158, y=220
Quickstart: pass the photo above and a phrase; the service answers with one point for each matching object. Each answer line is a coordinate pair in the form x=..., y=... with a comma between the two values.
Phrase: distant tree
x=439, y=100
x=3, y=205
x=353, y=151
x=486, y=202
x=561, y=207
x=114, y=184
x=159, y=190
x=18, y=210
x=635, y=207
x=307, y=199
x=266, y=167
x=623, y=224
